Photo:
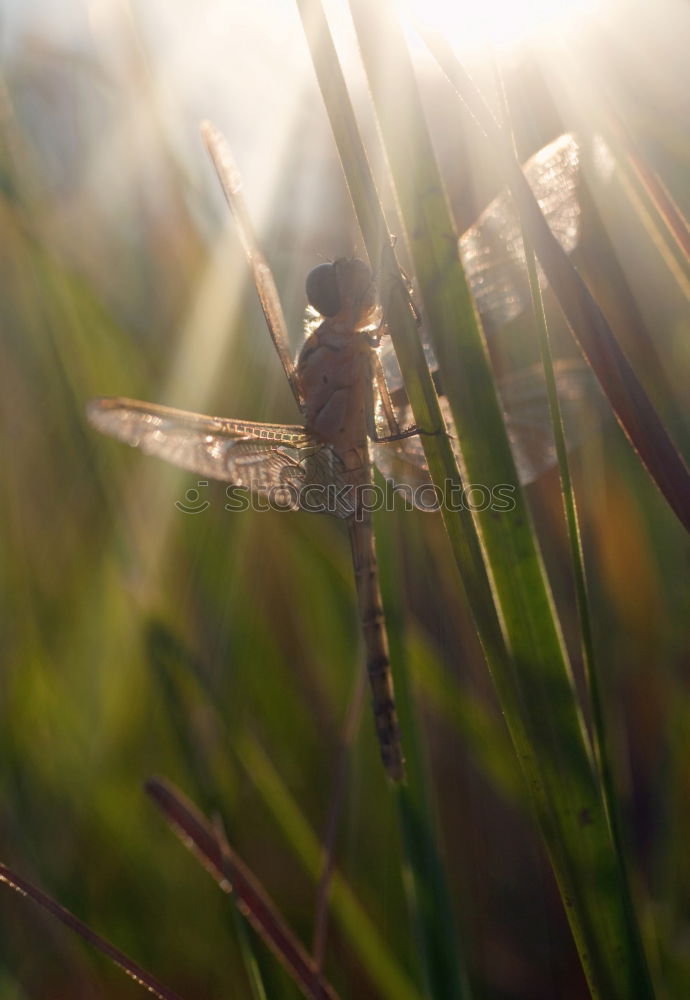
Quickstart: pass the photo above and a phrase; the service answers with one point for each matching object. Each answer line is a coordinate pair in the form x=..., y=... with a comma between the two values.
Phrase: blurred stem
x=251, y=965
x=353, y=919
x=174, y=668
x=352, y=721
x=178, y=669
x=431, y=911
x=600, y=740
x=427, y=885
x=519, y=632
x=629, y=401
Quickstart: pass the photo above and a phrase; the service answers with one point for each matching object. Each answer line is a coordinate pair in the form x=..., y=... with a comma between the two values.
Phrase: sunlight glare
x=471, y=25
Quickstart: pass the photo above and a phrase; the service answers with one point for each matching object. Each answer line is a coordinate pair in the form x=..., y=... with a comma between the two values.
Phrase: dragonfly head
x=344, y=289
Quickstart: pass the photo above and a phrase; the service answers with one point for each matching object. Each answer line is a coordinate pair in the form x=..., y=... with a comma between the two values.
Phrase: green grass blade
x=170, y=662
x=362, y=933
x=431, y=904
x=629, y=401
x=430, y=908
x=234, y=877
x=64, y=916
x=600, y=740
x=534, y=684
x=183, y=682
x=484, y=733
x=401, y=322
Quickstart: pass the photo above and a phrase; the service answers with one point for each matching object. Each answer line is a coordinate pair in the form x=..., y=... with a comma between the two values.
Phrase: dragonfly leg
x=398, y=436
x=409, y=432
x=395, y=433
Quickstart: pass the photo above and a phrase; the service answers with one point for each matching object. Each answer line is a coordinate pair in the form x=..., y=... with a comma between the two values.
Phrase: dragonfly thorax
x=334, y=369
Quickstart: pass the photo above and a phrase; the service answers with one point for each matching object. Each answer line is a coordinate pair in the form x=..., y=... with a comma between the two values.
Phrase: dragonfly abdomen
x=376, y=644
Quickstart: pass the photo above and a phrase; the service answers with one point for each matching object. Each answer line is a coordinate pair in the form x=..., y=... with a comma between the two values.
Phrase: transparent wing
x=231, y=183
x=494, y=261
x=528, y=419
x=403, y=463
x=528, y=422
x=276, y=461
x=492, y=252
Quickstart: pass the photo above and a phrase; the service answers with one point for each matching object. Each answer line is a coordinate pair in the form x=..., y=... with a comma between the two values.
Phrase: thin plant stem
x=335, y=810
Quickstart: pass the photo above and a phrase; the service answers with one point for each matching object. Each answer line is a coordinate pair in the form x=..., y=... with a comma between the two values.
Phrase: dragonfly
x=352, y=412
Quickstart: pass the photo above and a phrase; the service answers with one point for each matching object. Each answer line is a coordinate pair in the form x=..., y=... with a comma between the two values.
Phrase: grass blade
x=184, y=678
x=352, y=917
x=534, y=681
x=232, y=875
x=335, y=811
x=630, y=403
x=600, y=740
x=432, y=909
x=432, y=914
x=134, y=971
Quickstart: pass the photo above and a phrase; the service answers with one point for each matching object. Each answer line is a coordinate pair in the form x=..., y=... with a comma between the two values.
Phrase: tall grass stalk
x=514, y=614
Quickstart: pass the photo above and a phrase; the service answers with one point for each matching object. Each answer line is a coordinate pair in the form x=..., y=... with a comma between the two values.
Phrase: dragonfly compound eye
x=322, y=290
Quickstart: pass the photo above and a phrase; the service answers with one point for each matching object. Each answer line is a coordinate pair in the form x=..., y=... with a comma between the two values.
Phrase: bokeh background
x=221, y=650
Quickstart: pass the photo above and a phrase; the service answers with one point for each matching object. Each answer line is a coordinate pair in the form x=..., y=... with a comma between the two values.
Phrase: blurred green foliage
x=220, y=649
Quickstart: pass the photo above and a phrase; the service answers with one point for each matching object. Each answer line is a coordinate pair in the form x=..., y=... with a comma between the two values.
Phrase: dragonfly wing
x=403, y=463
x=231, y=183
x=528, y=422
x=406, y=474
x=492, y=252
x=528, y=418
x=272, y=460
